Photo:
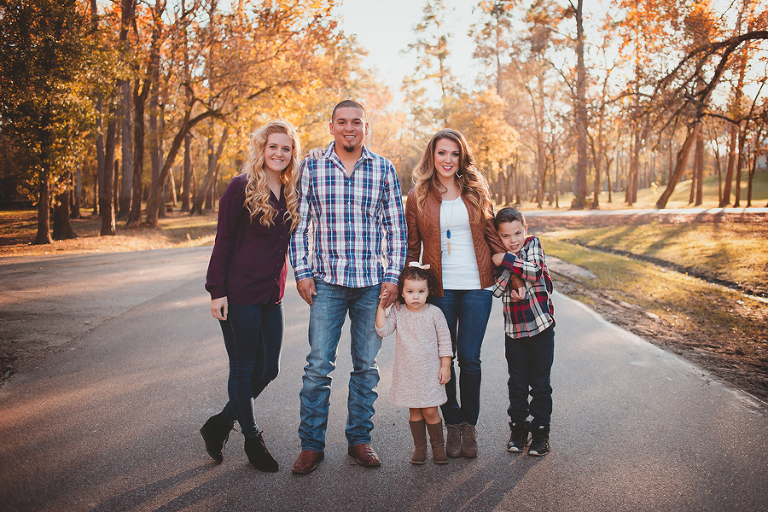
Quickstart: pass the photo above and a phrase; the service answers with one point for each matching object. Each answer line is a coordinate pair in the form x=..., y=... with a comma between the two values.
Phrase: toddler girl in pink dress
x=422, y=359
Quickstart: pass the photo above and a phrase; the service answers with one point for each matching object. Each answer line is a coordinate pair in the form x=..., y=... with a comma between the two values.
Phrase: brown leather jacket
x=424, y=230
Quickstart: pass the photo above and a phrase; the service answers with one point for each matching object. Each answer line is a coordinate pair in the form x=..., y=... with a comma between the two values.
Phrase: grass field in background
x=688, y=304
x=735, y=252
x=646, y=198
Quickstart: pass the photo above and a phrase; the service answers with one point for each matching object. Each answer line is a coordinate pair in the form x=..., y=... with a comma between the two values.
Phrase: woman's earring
x=459, y=174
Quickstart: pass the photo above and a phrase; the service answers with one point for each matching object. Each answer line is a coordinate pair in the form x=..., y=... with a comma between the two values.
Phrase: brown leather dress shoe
x=365, y=455
x=307, y=462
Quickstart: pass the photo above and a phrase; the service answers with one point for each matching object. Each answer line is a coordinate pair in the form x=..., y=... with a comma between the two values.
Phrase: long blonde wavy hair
x=468, y=178
x=257, y=190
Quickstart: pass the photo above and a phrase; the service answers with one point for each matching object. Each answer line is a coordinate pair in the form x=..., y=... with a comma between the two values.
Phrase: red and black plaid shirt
x=534, y=313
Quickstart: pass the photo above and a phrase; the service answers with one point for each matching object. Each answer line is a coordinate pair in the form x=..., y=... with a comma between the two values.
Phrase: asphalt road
x=106, y=417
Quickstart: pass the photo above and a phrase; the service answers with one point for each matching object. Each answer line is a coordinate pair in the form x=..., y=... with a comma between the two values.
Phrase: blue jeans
x=326, y=318
x=467, y=313
x=253, y=336
x=529, y=361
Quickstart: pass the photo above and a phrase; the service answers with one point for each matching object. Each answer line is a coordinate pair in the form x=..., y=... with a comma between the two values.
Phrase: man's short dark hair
x=508, y=214
x=346, y=104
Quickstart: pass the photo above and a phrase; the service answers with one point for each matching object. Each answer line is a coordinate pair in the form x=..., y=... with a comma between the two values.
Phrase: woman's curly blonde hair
x=469, y=179
x=257, y=190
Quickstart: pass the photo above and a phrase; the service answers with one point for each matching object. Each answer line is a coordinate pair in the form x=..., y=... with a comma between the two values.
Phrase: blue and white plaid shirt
x=358, y=223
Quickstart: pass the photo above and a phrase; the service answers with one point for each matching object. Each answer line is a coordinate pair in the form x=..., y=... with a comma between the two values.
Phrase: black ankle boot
x=215, y=433
x=539, y=440
x=258, y=455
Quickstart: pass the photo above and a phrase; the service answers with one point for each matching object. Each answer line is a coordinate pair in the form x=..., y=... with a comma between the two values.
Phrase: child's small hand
x=445, y=375
x=517, y=295
x=516, y=287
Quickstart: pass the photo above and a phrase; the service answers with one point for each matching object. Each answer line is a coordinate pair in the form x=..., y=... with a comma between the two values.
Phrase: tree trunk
x=100, y=157
x=186, y=181
x=116, y=187
x=126, y=132
x=139, y=98
x=630, y=195
x=43, y=208
x=681, y=164
x=580, y=199
x=696, y=157
x=213, y=163
x=731, y=164
x=62, y=229
x=155, y=197
x=78, y=191
x=755, y=157
x=739, y=165
x=608, y=176
x=106, y=202
x=699, y=169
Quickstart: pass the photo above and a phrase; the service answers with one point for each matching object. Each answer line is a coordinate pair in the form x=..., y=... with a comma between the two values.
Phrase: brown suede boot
x=419, y=442
x=438, y=443
x=453, y=444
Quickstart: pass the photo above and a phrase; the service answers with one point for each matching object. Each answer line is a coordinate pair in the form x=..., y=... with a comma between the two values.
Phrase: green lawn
x=647, y=197
x=736, y=252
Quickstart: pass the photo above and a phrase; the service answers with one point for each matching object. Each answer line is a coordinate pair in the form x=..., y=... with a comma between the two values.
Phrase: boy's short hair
x=508, y=214
x=347, y=104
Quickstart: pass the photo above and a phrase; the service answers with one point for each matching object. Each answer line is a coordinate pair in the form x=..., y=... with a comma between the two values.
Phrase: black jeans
x=253, y=336
x=529, y=362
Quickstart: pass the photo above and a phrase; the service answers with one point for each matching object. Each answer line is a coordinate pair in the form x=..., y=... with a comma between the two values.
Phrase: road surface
x=104, y=413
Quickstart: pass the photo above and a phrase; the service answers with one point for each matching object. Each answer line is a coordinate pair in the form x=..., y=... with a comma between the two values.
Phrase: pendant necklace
x=448, y=225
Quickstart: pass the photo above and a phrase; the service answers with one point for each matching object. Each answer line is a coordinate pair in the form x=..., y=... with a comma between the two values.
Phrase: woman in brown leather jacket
x=450, y=224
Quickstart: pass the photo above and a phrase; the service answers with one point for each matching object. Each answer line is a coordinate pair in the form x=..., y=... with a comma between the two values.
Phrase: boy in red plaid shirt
x=529, y=324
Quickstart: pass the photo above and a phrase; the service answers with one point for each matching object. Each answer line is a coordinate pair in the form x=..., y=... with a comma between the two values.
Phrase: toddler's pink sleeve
x=390, y=325
x=443, y=334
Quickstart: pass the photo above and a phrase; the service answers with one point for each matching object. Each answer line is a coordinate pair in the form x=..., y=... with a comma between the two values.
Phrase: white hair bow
x=419, y=265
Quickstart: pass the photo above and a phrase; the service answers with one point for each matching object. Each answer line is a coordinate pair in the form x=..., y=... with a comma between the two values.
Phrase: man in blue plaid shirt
x=351, y=199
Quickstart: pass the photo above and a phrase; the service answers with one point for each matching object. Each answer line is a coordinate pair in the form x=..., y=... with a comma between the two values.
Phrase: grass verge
x=718, y=328
x=731, y=253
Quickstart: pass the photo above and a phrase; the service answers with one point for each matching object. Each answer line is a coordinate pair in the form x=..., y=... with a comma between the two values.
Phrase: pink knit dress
x=421, y=340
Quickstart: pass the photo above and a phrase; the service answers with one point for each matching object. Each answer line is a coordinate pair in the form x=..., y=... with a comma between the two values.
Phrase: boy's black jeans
x=529, y=362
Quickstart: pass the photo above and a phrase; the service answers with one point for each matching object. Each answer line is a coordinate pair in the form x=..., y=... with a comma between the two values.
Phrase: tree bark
x=78, y=191
x=106, y=202
x=138, y=145
x=127, y=12
x=155, y=198
x=630, y=195
x=186, y=180
x=126, y=187
x=739, y=166
x=580, y=199
x=100, y=157
x=213, y=162
x=699, y=169
x=43, y=208
x=681, y=164
x=696, y=156
x=62, y=228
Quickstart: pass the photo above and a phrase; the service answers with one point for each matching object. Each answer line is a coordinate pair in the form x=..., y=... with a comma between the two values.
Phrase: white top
x=460, y=270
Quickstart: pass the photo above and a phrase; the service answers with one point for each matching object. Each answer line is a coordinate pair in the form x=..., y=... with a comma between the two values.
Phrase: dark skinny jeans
x=253, y=336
